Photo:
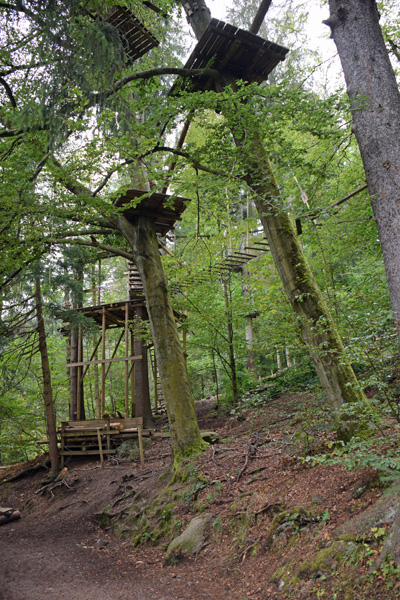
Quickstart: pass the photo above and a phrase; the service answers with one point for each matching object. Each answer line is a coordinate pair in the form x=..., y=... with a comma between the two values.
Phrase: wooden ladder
x=159, y=400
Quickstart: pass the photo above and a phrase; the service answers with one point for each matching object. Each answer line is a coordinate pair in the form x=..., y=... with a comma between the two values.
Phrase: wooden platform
x=114, y=312
x=99, y=436
x=233, y=52
x=165, y=210
x=135, y=37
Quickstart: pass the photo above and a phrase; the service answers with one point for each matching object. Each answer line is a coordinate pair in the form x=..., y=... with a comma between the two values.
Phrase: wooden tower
x=126, y=316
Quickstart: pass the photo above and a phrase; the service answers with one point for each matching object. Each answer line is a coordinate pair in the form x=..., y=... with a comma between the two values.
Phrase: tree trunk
x=185, y=433
x=73, y=379
x=375, y=106
x=96, y=374
x=229, y=325
x=47, y=390
x=249, y=331
x=316, y=325
x=142, y=392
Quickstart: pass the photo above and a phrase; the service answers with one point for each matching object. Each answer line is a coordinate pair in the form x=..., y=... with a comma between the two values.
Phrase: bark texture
x=142, y=391
x=229, y=336
x=316, y=325
x=314, y=319
x=47, y=389
x=375, y=104
x=185, y=433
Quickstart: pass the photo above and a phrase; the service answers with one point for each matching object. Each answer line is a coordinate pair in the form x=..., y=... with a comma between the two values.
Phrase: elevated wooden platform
x=165, y=210
x=114, y=312
x=233, y=52
x=135, y=37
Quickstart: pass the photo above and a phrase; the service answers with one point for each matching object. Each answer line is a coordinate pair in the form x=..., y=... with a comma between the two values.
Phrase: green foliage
x=380, y=454
x=60, y=65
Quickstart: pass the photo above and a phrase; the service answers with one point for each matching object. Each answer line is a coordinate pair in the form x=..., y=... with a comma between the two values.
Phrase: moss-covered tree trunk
x=317, y=328
x=316, y=325
x=185, y=433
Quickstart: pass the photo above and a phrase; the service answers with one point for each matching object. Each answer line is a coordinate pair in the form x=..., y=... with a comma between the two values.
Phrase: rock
x=210, y=436
x=326, y=561
x=317, y=500
x=365, y=483
x=381, y=513
x=391, y=543
x=132, y=444
x=190, y=541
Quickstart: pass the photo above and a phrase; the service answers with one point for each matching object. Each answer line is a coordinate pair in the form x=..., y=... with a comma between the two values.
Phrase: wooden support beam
x=132, y=378
x=126, y=360
x=140, y=445
x=155, y=383
x=79, y=378
x=100, y=448
x=105, y=361
x=179, y=145
x=91, y=358
x=114, y=353
x=261, y=249
x=103, y=364
x=248, y=256
x=260, y=16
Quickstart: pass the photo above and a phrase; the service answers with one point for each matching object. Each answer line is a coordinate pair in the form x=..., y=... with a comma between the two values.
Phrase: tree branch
x=207, y=72
x=95, y=244
x=183, y=154
x=8, y=92
x=72, y=185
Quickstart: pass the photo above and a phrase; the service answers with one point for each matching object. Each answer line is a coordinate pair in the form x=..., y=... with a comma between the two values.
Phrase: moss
x=327, y=560
x=284, y=573
x=180, y=457
x=103, y=518
x=296, y=516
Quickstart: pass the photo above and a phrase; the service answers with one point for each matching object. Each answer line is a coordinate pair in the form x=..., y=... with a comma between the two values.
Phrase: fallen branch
x=28, y=471
x=8, y=514
x=251, y=547
x=251, y=451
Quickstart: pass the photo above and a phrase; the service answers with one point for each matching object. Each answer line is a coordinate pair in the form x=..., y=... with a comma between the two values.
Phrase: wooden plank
x=79, y=376
x=126, y=360
x=243, y=254
x=105, y=361
x=140, y=446
x=100, y=448
x=132, y=376
x=84, y=452
x=91, y=358
x=114, y=353
x=85, y=423
x=103, y=364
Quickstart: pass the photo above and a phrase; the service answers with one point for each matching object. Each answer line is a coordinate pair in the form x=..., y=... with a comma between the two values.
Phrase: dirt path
x=56, y=550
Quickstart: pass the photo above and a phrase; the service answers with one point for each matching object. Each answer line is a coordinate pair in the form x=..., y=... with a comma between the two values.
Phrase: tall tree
x=317, y=327
x=375, y=105
x=57, y=112
x=47, y=388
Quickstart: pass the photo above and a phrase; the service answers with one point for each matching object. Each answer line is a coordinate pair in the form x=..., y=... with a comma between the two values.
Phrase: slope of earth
x=272, y=533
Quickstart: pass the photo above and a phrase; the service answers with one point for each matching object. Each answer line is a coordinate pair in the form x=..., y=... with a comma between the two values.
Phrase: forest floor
x=273, y=533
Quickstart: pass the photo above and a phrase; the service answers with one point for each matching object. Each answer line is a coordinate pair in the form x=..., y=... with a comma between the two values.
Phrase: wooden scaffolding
x=126, y=316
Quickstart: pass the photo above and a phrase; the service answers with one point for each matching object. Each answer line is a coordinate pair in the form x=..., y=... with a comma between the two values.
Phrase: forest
x=270, y=266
